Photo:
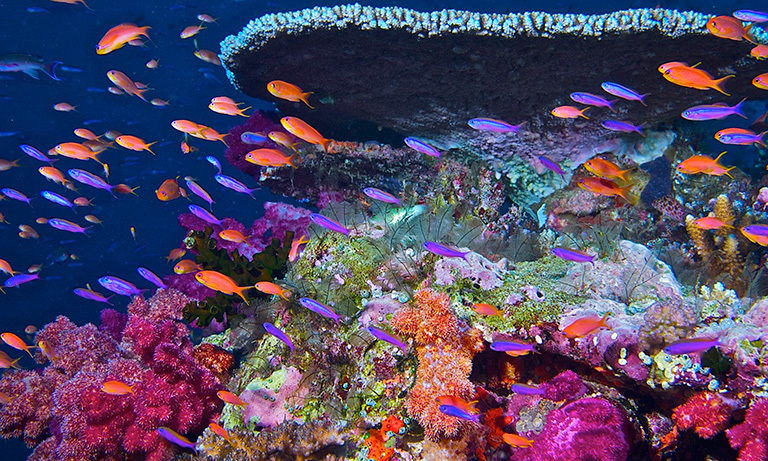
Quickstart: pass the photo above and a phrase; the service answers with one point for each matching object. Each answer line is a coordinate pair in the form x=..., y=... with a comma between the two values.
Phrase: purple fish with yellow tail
x=442, y=250
x=319, y=308
x=692, y=345
x=421, y=146
x=151, y=277
x=380, y=195
x=592, y=100
x=68, y=226
x=512, y=347
x=204, y=214
x=717, y=111
x=279, y=334
x=387, y=337
x=622, y=127
x=174, y=437
x=623, y=92
x=552, y=166
x=494, y=125
x=573, y=255
x=328, y=223
x=525, y=389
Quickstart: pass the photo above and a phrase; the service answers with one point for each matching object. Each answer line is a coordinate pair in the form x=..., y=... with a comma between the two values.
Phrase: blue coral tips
x=328, y=223
x=442, y=250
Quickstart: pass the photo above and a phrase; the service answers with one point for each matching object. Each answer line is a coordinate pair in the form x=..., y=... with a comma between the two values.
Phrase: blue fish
x=35, y=9
x=204, y=214
x=452, y=410
x=552, y=166
x=387, y=337
x=68, y=226
x=692, y=345
x=119, y=286
x=30, y=65
x=7, y=134
x=151, y=277
x=624, y=127
x=494, y=125
x=249, y=137
x=380, y=195
x=279, y=334
x=751, y=15
x=319, y=308
x=16, y=195
x=421, y=146
x=20, y=279
x=623, y=92
x=232, y=183
x=90, y=179
x=57, y=199
x=34, y=153
x=526, y=389
x=328, y=223
x=174, y=437
x=592, y=100
x=214, y=161
x=92, y=295
x=442, y=250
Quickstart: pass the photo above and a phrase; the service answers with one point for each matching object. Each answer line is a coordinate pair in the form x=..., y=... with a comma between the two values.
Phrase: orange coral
x=430, y=320
x=216, y=359
x=377, y=439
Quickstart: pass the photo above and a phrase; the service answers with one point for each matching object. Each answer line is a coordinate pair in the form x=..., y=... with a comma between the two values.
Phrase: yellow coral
x=700, y=239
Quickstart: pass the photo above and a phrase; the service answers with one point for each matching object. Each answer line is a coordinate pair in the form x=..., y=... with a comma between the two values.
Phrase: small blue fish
x=34, y=153
x=573, y=255
x=20, y=279
x=30, y=65
x=442, y=250
x=624, y=127
x=378, y=194
x=214, y=161
x=35, y=9
x=120, y=286
x=512, y=347
x=751, y=15
x=421, y=146
x=592, y=100
x=452, y=410
x=68, y=226
x=204, y=214
x=319, y=308
x=716, y=111
x=174, y=437
x=279, y=334
x=7, y=134
x=494, y=125
x=328, y=223
x=151, y=277
x=525, y=389
x=92, y=295
x=387, y=337
x=232, y=183
x=692, y=345
x=57, y=199
x=552, y=166
x=16, y=195
x=90, y=179
x=70, y=69
x=249, y=137
x=623, y=92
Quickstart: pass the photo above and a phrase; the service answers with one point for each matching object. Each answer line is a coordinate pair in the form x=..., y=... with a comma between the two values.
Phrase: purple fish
x=442, y=250
x=231, y=183
x=151, y=277
x=20, y=279
x=387, y=337
x=16, y=195
x=573, y=255
x=623, y=92
x=751, y=15
x=741, y=137
x=28, y=64
x=378, y=194
x=492, y=124
x=319, y=308
x=452, y=410
x=69, y=226
x=515, y=347
x=593, y=100
x=624, y=127
x=57, y=199
x=90, y=179
x=204, y=214
x=756, y=229
x=120, y=286
x=174, y=437
x=421, y=146
x=279, y=334
x=692, y=345
x=249, y=137
x=199, y=191
x=525, y=389
x=214, y=161
x=92, y=295
x=550, y=165
x=35, y=154
x=328, y=223
x=717, y=111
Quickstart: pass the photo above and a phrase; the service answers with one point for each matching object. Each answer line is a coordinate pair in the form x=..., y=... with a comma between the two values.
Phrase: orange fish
x=569, y=112
x=6, y=165
x=5, y=266
x=47, y=350
x=232, y=235
x=4, y=399
x=756, y=233
x=585, y=326
x=273, y=289
x=695, y=78
x=220, y=282
x=116, y=388
x=186, y=148
x=269, y=157
x=77, y=151
x=170, y=190
x=85, y=133
x=726, y=27
x=485, y=309
x=16, y=343
x=175, y=254
x=119, y=35
x=759, y=52
x=293, y=255
x=208, y=56
x=191, y=31
x=82, y=201
x=283, y=139
x=668, y=65
x=761, y=81
x=93, y=219
x=63, y=107
x=230, y=398
x=226, y=108
x=32, y=233
x=711, y=223
x=126, y=84
x=302, y=130
x=8, y=362
x=605, y=187
x=704, y=164
x=73, y=2
x=53, y=174
x=458, y=402
x=220, y=431
x=157, y=102
x=186, y=266
x=288, y=91
x=516, y=441
x=134, y=143
x=152, y=64
x=605, y=169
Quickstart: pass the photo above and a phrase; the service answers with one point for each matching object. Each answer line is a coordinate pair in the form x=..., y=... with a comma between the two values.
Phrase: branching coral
x=706, y=413
x=751, y=436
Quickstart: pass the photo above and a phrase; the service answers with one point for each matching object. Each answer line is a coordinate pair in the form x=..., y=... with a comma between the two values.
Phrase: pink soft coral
x=751, y=436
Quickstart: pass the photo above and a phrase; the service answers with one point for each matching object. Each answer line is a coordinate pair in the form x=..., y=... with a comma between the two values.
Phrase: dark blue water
x=68, y=33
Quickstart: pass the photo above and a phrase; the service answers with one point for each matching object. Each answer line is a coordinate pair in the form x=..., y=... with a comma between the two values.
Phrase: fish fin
x=304, y=98
x=32, y=73
x=719, y=84
x=140, y=93
x=717, y=159
x=602, y=320
x=289, y=161
x=49, y=68
x=611, y=103
x=642, y=99
x=737, y=108
x=325, y=142
x=150, y=150
x=581, y=114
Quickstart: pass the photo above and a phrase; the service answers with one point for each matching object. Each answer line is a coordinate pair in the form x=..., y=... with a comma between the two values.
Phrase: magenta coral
x=63, y=410
x=751, y=436
x=258, y=122
x=706, y=413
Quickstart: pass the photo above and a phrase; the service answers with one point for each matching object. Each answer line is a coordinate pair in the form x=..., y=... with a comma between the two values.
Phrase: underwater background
x=138, y=230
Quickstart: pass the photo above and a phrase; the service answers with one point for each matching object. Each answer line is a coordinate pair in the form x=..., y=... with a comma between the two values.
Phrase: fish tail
x=240, y=291
x=623, y=174
x=717, y=159
x=760, y=137
x=602, y=320
x=289, y=161
x=86, y=5
x=581, y=113
x=611, y=103
x=150, y=150
x=624, y=193
x=325, y=142
x=140, y=93
x=737, y=108
x=13, y=364
x=50, y=69
x=719, y=84
x=642, y=99
x=304, y=98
